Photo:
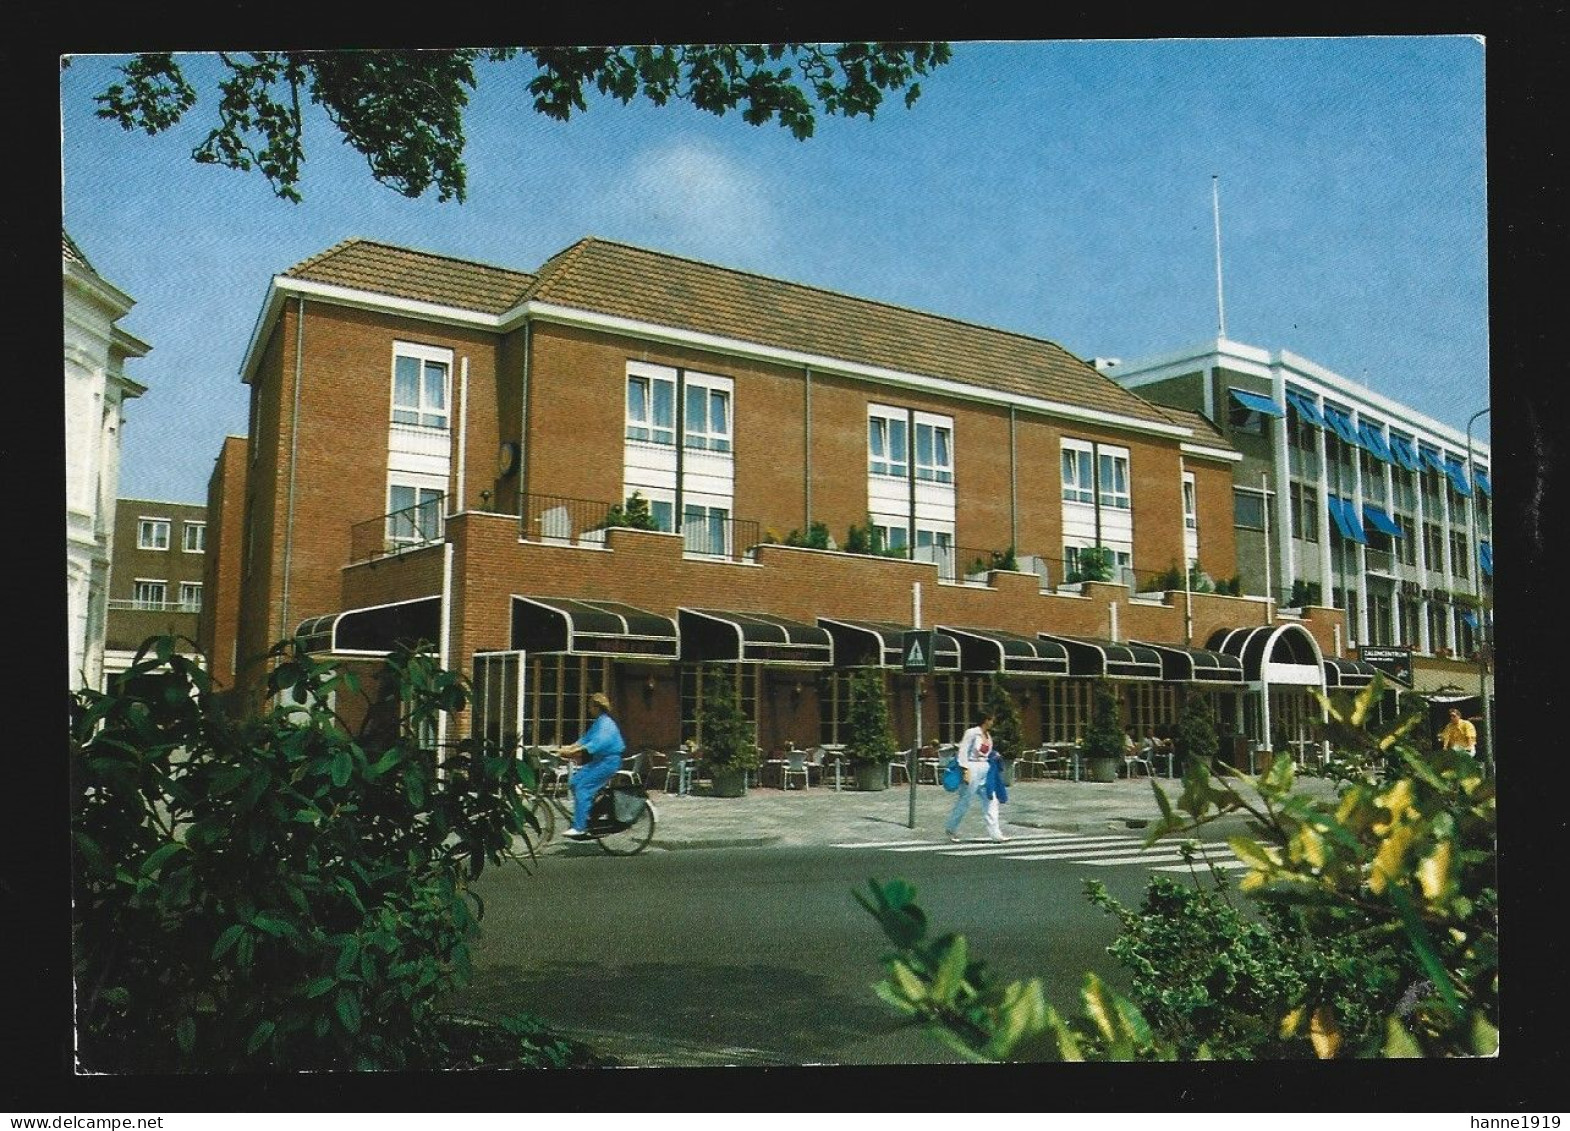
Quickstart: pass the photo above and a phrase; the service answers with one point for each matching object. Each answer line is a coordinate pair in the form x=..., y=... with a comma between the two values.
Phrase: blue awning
x=1307, y=409
x=1470, y=618
x=1374, y=442
x=1257, y=402
x=1481, y=479
x=1345, y=516
x=1342, y=425
x=1405, y=453
x=1457, y=475
x=1382, y=521
x=1433, y=460
x=1485, y=557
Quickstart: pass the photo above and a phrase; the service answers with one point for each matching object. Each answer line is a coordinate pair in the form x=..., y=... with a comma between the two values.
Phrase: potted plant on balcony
x=1101, y=749
x=869, y=739
x=727, y=738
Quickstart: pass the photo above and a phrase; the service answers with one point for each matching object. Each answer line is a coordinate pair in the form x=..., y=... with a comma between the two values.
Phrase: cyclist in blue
x=603, y=745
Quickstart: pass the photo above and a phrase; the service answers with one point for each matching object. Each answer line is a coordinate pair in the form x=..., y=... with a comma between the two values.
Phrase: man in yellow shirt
x=1459, y=734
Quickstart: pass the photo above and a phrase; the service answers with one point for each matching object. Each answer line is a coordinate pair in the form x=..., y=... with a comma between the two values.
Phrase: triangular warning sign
x=916, y=657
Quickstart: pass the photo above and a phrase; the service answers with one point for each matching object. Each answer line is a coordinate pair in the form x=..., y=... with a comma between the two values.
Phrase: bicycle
x=621, y=818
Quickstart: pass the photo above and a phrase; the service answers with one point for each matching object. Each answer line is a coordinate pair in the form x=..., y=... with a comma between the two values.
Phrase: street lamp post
x=1477, y=593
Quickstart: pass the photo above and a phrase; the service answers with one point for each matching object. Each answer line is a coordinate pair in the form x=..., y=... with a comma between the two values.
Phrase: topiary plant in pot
x=869, y=741
x=1102, y=747
x=727, y=738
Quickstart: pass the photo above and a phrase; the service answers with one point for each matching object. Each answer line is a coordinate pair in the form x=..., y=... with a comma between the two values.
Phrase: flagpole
x=1215, y=203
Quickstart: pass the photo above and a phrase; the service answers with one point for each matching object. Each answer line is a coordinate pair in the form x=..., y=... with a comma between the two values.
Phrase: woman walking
x=975, y=754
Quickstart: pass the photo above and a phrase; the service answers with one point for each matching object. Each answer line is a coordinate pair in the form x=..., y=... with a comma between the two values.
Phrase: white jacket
x=972, y=757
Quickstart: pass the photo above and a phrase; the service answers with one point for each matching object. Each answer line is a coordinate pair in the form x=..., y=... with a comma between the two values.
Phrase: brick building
x=453, y=450
x=156, y=581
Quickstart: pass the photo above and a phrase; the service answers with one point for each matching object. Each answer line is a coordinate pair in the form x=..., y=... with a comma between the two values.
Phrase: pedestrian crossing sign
x=916, y=652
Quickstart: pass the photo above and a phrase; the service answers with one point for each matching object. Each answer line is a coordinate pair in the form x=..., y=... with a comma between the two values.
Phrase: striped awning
x=1257, y=402
x=1348, y=673
x=1307, y=409
x=1091, y=657
x=722, y=636
x=374, y=630
x=561, y=625
x=881, y=644
x=1196, y=665
x=996, y=650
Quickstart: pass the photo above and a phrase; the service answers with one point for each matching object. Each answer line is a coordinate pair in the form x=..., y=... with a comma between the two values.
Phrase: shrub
x=1095, y=564
x=276, y=893
x=1378, y=928
x=634, y=513
x=1195, y=739
x=1104, y=736
x=816, y=538
x=869, y=735
x=727, y=736
x=1007, y=728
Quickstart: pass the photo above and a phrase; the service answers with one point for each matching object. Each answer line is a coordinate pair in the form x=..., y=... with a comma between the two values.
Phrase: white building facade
x=96, y=389
x=1344, y=497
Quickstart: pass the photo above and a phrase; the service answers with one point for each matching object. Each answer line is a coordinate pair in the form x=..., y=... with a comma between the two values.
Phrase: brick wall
x=219, y=623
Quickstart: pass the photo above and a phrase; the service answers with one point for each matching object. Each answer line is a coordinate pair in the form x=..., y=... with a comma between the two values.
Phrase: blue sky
x=1055, y=188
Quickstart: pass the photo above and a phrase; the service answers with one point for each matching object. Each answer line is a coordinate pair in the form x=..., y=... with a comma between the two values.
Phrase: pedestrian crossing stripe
x=1077, y=848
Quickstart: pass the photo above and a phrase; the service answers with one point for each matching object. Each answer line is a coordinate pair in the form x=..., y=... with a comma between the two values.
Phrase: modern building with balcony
x=1346, y=498
x=156, y=583
x=627, y=465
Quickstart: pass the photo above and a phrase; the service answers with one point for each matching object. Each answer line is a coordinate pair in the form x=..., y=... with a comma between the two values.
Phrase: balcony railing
x=423, y=524
x=565, y=521
x=134, y=606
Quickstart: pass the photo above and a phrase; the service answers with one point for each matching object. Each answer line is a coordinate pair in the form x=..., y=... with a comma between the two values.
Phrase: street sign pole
x=914, y=754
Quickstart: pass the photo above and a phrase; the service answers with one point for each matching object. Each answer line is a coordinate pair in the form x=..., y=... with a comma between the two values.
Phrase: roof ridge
x=834, y=294
x=560, y=265
x=354, y=241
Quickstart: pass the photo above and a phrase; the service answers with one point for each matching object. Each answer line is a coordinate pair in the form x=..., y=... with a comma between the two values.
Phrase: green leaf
x=951, y=971
x=1400, y=1044
x=227, y=940
x=347, y=1005
x=342, y=767
x=316, y=987
x=185, y=1034
x=259, y=1036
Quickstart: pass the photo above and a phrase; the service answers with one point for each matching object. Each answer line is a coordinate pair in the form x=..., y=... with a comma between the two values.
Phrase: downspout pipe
x=294, y=451
x=806, y=525
x=463, y=436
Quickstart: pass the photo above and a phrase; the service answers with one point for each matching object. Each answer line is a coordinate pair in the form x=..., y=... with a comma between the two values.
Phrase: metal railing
x=423, y=524
x=135, y=606
x=566, y=521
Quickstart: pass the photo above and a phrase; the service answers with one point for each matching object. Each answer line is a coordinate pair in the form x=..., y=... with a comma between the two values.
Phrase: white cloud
x=693, y=200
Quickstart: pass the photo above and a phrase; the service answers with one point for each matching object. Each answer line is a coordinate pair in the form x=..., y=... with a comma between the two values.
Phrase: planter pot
x=1100, y=768
x=870, y=775
x=729, y=782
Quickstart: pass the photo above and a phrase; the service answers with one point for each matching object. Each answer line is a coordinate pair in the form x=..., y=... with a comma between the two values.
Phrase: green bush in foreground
x=1377, y=932
x=279, y=893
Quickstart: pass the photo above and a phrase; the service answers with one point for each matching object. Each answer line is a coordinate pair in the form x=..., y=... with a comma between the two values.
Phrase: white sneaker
x=955, y=837
x=1000, y=838
x=575, y=834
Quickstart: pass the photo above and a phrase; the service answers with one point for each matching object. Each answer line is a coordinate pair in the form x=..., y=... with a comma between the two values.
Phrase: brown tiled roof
x=1205, y=429
x=385, y=269
x=617, y=279
x=620, y=280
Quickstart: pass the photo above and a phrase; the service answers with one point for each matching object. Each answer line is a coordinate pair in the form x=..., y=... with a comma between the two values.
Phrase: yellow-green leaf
x=1390, y=858
x=1399, y=1044
x=1291, y=1022
x=1434, y=872
x=1098, y=1006
x=951, y=971
x=1324, y=1033
x=1254, y=854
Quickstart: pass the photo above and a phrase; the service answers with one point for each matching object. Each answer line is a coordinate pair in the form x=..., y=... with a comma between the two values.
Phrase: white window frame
x=715, y=436
x=142, y=593
x=1077, y=471
x=891, y=534
x=882, y=423
x=1115, y=495
x=198, y=528
x=1190, y=502
x=703, y=523
x=414, y=534
x=425, y=413
x=641, y=426
x=933, y=470
x=190, y=596
x=147, y=531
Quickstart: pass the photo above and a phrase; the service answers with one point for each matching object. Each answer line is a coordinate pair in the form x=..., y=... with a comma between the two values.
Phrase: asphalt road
x=762, y=956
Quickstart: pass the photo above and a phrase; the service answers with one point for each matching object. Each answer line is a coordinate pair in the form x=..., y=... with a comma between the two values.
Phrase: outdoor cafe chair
x=795, y=764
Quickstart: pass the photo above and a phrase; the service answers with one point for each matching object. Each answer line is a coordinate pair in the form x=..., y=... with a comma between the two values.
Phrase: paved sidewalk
x=820, y=815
